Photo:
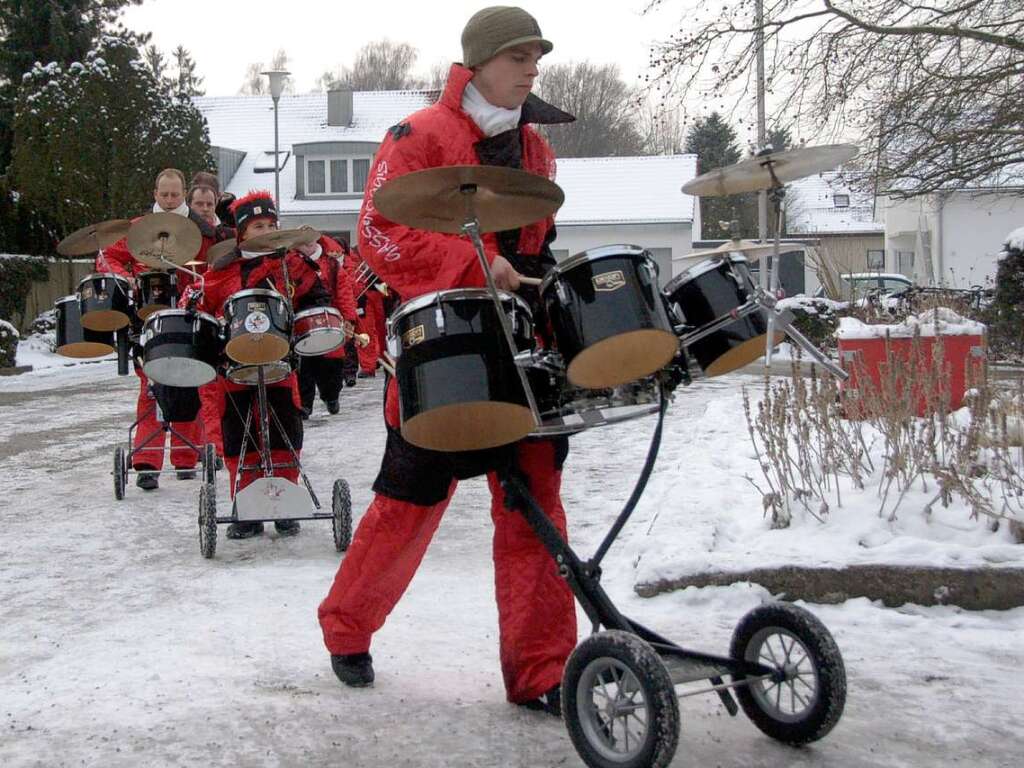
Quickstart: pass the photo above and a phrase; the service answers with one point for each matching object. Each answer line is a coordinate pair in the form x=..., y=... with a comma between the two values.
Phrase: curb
x=15, y=370
x=975, y=589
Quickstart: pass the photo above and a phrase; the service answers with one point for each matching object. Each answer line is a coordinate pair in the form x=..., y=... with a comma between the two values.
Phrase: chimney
x=339, y=107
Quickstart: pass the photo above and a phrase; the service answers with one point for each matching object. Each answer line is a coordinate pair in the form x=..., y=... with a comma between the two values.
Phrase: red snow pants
x=536, y=611
x=150, y=438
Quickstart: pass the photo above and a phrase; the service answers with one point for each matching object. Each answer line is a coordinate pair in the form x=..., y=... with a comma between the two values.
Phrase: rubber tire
x=208, y=520
x=828, y=662
x=209, y=461
x=341, y=511
x=655, y=682
x=120, y=473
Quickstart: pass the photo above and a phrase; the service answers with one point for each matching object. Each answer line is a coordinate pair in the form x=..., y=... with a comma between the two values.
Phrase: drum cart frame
x=270, y=486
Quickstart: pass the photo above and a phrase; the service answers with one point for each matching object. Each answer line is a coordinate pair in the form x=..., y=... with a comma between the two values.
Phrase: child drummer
x=255, y=214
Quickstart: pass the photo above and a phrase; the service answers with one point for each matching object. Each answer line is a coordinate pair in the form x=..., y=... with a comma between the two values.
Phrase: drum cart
x=271, y=498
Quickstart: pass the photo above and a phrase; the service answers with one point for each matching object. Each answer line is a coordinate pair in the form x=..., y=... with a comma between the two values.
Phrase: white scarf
x=492, y=120
x=254, y=254
x=181, y=210
x=315, y=256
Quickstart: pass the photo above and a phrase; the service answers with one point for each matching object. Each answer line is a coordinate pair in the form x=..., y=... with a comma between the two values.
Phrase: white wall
x=576, y=238
x=973, y=230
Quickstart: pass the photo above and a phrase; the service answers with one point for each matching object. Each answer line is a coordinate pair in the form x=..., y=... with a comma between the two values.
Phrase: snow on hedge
x=940, y=321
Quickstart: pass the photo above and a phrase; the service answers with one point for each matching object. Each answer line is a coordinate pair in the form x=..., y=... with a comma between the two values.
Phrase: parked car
x=858, y=286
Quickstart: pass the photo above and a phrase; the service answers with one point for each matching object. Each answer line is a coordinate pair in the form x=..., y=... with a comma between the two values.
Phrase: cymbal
x=282, y=238
x=93, y=237
x=735, y=246
x=223, y=253
x=753, y=173
x=174, y=237
x=435, y=199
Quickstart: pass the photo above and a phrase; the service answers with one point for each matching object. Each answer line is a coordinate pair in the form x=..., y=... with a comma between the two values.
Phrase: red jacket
x=263, y=272
x=414, y=261
x=335, y=278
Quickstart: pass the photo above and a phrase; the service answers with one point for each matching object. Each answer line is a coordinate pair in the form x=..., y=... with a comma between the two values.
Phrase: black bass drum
x=458, y=386
x=710, y=291
x=181, y=348
x=608, y=319
x=154, y=291
x=72, y=339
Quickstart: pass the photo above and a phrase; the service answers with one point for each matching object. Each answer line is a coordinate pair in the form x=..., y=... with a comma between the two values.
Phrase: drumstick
x=529, y=280
x=362, y=339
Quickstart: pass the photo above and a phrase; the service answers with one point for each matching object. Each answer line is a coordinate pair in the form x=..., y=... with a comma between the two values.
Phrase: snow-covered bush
x=1007, y=320
x=816, y=318
x=8, y=344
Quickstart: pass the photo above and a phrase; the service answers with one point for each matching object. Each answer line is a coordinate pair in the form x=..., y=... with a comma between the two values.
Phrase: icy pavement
x=121, y=646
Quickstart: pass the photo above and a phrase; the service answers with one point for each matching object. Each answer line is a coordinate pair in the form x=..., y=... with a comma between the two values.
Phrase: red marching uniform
x=149, y=453
x=371, y=318
x=283, y=397
x=537, y=618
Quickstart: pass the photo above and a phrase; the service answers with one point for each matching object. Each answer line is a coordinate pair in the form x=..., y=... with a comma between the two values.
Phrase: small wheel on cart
x=208, y=520
x=209, y=457
x=120, y=473
x=808, y=698
x=341, y=521
x=619, y=704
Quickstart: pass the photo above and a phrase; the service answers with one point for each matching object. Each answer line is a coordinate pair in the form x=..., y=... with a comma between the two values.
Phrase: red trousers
x=536, y=612
x=211, y=412
x=372, y=324
x=150, y=437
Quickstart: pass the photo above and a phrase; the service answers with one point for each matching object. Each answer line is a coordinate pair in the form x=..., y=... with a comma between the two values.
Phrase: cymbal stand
x=784, y=320
x=776, y=194
x=471, y=228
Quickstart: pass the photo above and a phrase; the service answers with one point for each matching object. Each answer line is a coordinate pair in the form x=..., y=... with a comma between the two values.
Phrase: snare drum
x=250, y=374
x=713, y=290
x=104, y=300
x=72, y=339
x=154, y=291
x=181, y=348
x=458, y=386
x=257, y=326
x=608, y=319
x=318, y=331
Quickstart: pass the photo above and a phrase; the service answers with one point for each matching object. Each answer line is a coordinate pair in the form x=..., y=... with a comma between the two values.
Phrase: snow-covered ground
x=121, y=646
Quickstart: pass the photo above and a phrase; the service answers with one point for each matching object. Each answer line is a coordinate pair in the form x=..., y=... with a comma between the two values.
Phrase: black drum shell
x=181, y=348
x=72, y=339
x=608, y=292
x=252, y=348
x=155, y=291
x=104, y=301
x=708, y=291
x=466, y=362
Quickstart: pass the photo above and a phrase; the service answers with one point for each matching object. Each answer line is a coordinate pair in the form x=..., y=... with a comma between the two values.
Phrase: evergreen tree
x=189, y=82
x=90, y=137
x=156, y=63
x=714, y=142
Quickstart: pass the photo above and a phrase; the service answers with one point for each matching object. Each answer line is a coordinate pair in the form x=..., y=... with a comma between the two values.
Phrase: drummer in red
x=256, y=214
x=326, y=372
x=483, y=117
x=148, y=447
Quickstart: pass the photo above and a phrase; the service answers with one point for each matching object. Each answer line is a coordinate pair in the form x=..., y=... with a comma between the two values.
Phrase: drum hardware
x=162, y=240
x=93, y=237
x=784, y=320
x=719, y=323
x=541, y=359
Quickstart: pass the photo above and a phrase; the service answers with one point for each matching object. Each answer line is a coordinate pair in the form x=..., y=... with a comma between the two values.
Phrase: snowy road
x=121, y=646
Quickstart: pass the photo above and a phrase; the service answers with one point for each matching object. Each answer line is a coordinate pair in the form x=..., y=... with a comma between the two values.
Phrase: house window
x=315, y=177
x=905, y=263
x=876, y=259
x=336, y=176
x=841, y=201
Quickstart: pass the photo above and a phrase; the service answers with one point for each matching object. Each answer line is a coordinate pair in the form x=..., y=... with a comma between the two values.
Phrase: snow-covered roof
x=246, y=124
x=626, y=190
x=811, y=208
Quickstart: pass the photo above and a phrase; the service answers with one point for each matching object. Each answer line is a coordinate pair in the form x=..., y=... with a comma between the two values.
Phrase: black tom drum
x=713, y=290
x=105, y=301
x=257, y=327
x=608, y=319
x=72, y=339
x=154, y=291
x=181, y=348
x=458, y=386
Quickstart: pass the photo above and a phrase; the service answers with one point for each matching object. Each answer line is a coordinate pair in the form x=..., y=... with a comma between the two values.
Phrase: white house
x=328, y=140
x=951, y=238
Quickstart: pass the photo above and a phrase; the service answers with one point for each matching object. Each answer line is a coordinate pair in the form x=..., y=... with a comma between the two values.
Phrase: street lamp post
x=277, y=78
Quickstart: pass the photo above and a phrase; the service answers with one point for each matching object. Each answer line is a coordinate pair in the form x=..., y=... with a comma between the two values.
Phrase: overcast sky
x=225, y=37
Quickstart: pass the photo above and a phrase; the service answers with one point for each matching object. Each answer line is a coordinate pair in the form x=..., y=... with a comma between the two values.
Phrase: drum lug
x=439, y=319
x=648, y=272
x=563, y=294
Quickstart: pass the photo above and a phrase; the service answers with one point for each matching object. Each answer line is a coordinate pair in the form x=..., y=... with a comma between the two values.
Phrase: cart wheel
x=619, y=704
x=808, y=702
x=208, y=520
x=120, y=473
x=210, y=464
x=341, y=508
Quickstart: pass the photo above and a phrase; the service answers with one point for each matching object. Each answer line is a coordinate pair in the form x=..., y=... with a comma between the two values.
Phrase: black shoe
x=287, y=527
x=244, y=530
x=147, y=481
x=350, y=382
x=354, y=669
x=365, y=375
x=333, y=407
x=550, y=701
x=306, y=413
x=186, y=474
x=220, y=463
